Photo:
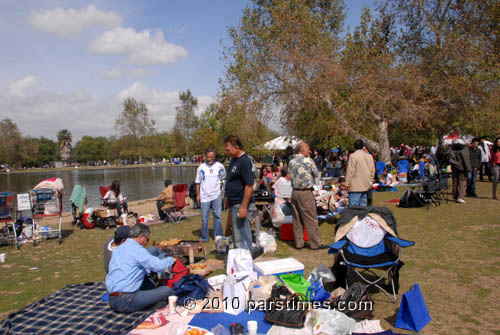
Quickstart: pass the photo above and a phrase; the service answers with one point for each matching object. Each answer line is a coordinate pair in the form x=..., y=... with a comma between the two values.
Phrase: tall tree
x=186, y=120
x=10, y=142
x=64, y=138
x=135, y=120
x=91, y=149
x=47, y=150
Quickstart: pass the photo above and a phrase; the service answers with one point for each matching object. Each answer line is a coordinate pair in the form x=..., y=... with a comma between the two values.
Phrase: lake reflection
x=136, y=183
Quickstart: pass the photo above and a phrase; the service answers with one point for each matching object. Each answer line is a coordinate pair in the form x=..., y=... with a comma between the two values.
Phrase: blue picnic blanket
x=77, y=310
x=209, y=321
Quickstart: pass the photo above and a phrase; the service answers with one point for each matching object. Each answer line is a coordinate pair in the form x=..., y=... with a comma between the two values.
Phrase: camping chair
x=428, y=195
x=176, y=213
x=103, y=190
x=442, y=187
x=421, y=170
x=403, y=166
x=380, y=167
x=366, y=239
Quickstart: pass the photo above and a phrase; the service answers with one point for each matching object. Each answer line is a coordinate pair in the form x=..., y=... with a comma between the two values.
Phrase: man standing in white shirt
x=209, y=178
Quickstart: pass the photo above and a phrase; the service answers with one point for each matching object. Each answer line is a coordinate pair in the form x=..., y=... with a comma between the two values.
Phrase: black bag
x=191, y=286
x=356, y=303
x=290, y=312
x=409, y=200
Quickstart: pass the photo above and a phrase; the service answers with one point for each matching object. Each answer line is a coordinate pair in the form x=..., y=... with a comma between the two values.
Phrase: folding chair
x=428, y=195
x=380, y=167
x=403, y=167
x=442, y=189
x=366, y=239
x=176, y=213
x=103, y=190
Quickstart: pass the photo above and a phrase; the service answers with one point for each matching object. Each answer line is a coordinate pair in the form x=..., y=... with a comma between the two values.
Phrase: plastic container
x=279, y=267
x=286, y=232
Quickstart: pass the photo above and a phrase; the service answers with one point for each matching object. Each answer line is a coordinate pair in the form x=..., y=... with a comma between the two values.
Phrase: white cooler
x=279, y=267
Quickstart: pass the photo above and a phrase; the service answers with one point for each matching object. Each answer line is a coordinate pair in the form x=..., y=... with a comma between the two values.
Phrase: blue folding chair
x=403, y=167
x=421, y=170
x=366, y=239
x=380, y=166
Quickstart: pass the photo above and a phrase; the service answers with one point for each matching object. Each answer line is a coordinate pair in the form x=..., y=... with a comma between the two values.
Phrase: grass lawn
x=456, y=261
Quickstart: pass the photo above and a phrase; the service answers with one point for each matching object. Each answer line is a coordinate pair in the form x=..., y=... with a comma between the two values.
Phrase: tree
x=47, y=151
x=30, y=152
x=135, y=120
x=64, y=139
x=91, y=149
x=186, y=120
x=10, y=142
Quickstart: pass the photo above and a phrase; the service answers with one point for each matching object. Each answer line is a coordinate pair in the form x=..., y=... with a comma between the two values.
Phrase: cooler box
x=279, y=267
x=286, y=232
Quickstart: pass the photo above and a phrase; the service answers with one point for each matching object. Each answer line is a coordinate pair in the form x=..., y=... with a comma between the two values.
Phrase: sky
x=71, y=67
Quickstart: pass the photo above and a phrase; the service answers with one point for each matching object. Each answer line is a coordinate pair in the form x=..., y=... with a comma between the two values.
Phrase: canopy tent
x=455, y=135
x=281, y=143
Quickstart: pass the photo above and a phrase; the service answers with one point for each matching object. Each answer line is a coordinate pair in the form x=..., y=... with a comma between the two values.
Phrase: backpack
x=191, y=286
x=179, y=270
x=409, y=200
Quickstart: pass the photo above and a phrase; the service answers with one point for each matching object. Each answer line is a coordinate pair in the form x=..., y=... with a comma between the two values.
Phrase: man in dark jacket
x=475, y=164
x=460, y=167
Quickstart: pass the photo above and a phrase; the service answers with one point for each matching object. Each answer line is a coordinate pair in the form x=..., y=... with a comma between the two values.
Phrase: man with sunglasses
x=128, y=283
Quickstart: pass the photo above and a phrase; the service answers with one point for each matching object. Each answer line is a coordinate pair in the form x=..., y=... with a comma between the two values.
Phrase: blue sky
x=69, y=64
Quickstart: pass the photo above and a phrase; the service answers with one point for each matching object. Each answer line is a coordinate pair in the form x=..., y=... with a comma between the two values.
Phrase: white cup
x=2, y=258
x=252, y=327
x=172, y=302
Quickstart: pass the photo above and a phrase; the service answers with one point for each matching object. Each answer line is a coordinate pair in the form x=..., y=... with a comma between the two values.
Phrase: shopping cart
x=8, y=216
x=46, y=202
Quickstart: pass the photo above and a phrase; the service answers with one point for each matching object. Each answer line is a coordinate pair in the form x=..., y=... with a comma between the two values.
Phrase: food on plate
x=197, y=266
x=147, y=325
x=170, y=243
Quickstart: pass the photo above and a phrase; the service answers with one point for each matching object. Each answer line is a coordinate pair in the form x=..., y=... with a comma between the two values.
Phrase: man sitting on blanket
x=128, y=283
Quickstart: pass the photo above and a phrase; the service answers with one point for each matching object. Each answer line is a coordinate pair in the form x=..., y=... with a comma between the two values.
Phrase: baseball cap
x=122, y=233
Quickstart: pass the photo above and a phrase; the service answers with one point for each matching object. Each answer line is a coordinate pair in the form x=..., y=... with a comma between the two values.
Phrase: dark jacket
x=475, y=158
x=460, y=158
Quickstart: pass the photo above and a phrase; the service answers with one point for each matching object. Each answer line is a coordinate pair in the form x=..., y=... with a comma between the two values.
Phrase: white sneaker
x=461, y=201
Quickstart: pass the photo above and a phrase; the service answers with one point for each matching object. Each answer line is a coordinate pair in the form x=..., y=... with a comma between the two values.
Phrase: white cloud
x=21, y=87
x=146, y=47
x=116, y=74
x=67, y=22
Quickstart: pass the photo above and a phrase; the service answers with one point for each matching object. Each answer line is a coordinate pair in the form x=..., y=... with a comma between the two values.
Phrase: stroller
x=366, y=239
x=176, y=214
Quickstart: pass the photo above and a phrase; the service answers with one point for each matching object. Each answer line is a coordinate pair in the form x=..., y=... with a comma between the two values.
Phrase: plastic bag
x=267, y=242
x=323, y=275
x=240, y=264
x=332, y=322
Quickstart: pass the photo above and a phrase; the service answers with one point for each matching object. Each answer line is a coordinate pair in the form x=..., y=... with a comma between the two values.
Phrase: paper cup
x=172, y=302
x=252, y=327
x=2, y=258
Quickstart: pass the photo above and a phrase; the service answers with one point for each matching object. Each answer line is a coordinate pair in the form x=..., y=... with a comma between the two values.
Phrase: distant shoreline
x=156, y=165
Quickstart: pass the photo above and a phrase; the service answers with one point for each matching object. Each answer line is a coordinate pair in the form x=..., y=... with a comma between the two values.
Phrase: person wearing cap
x=128, y=281
x=114, y=242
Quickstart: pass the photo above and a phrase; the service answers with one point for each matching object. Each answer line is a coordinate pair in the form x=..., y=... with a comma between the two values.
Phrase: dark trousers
x=305, y=215
x=486, y=167
x=459, y=179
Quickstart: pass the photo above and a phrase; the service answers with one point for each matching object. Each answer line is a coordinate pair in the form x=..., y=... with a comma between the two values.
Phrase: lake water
x=136, y=183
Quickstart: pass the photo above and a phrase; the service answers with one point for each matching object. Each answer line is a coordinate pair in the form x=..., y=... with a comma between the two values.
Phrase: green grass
x=456, y=261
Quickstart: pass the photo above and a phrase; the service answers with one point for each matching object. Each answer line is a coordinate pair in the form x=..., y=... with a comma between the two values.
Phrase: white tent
x=281, y=143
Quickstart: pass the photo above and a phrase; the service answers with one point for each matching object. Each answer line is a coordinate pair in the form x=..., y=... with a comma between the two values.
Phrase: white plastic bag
x=332, y=322
x=240, y=264
x=267, y=242
x=235, y=294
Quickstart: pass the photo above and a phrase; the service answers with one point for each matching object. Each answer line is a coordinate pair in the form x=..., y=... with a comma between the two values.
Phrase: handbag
x=191, y=286
x=413, y=313
x=290, y=312
x=316, y=292
x=296, y=282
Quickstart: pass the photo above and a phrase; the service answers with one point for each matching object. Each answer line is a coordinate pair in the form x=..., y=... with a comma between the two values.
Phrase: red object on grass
x=286, y=232
x=86, y=223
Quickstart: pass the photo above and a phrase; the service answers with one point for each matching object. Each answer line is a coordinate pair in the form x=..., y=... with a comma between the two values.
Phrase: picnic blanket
x=175, y=324
x=77, y=309
x=209, y=321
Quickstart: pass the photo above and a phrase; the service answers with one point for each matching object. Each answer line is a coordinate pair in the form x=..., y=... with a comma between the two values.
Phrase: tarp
x=281, y=143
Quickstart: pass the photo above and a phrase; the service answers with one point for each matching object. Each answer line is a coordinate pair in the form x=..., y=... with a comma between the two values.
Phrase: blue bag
x=413, y=314
x=191, y=286
x=316, y=292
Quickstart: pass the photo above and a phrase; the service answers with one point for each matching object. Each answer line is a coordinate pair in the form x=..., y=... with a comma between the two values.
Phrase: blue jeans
x=142, y=299
x=357, y=199
x=119, y=206
x=471, y=182
x=242, y=228
x=215, y=206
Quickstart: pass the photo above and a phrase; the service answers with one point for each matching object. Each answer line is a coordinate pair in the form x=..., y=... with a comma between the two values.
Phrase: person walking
x=495, y=164
x=475, y=164
x=304, y=173
x=460, y=167
x=239, y=192
x=360, y=174
x=209, y=178
x=485, y=168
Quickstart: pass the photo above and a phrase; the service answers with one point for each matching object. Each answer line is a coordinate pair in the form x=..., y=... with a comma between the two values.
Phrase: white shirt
x=485, y=153
x=210, y=177
x=111, y=197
